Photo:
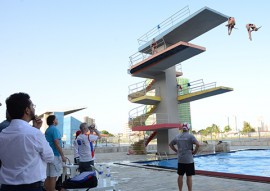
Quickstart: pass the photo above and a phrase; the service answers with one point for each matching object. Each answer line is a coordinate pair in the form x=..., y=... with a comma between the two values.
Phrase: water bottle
x=108, y=176
x=108, y=172
x=100, y=170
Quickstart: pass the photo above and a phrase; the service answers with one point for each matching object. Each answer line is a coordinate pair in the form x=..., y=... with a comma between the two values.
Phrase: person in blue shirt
x=54, y=169
x=6, y=122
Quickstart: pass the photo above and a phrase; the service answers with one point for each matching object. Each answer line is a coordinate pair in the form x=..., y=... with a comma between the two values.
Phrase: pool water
x=247, y=162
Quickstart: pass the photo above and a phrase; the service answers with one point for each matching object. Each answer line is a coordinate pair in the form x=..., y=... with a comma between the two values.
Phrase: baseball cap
x=185, y=126
x=78, y=133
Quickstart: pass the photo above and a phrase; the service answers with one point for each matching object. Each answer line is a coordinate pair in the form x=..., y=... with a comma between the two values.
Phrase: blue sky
x=68, y=54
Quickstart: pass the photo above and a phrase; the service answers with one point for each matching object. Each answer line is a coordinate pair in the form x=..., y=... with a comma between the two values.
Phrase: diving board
x=203, y=94
x=147, y=100
x=157, y=127
x=189, y=28
x=157, y=63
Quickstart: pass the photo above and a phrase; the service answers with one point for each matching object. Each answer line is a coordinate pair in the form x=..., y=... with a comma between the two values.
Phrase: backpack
x=86, y=179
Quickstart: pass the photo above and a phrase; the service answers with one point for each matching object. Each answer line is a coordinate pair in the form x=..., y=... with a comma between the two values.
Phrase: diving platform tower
x=159, y=94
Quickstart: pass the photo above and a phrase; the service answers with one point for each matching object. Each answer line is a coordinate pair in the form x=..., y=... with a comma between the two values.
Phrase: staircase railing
x=139, y=115
x=139, y=86
x=149, y=119
x=142, y=88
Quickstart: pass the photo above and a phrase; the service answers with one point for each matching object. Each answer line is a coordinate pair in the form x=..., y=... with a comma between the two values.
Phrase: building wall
x=89, y=120
x=71, y=125
x=60, y=118
x=184, y=108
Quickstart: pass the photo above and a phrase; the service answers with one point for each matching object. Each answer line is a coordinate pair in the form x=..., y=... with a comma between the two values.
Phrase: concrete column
x=167, y=110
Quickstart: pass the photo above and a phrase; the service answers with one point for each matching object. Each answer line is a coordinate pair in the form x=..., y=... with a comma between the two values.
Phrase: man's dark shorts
x=187, y=169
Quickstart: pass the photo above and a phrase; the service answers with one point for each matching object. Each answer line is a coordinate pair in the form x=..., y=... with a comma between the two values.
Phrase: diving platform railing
x=164, y=25
x=152, y=119
x=194, y=86
x=178, y=67
x=140, y=56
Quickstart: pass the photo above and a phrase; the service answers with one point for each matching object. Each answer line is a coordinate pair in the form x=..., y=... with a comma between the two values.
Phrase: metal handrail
x=138, y=86
x=140, y=56
x=138, y=111
x=143, y=88
x=178, y=67
x=164, y=25
x=191, y=89
x=155, y=118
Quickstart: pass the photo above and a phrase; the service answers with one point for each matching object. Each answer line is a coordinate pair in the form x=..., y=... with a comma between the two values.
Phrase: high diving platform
x=203, y=94
x=187, y=29
x=157, y=63
x=160, y=51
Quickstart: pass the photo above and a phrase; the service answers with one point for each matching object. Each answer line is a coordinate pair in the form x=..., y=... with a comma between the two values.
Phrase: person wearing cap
x=185, y=152
x=85, y=143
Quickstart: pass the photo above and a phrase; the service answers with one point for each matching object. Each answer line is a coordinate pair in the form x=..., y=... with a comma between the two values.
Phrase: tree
x=227, y=128
x=247, y=128
x=106, y=133
x=203, y=132
x=213, y=129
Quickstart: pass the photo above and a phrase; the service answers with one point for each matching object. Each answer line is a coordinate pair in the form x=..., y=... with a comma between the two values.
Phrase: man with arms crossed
x=54, y=169
x=24, y=150
x=184, y=142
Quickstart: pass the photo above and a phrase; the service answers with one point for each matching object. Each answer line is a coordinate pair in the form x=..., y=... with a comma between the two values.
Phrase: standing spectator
x=75, y=146
x=6, y=122
x=86, y=147
x=154, y=46
x=184, y=142
x=54, y=169
x=24, y=150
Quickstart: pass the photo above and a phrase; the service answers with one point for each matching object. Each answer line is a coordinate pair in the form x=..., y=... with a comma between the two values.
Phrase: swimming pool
x=246, y=162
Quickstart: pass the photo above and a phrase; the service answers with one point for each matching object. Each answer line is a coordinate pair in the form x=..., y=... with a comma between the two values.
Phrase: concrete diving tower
x=159, y=93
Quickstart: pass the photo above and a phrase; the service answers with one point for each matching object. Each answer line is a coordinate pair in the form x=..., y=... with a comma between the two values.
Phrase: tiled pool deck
x=140, y=179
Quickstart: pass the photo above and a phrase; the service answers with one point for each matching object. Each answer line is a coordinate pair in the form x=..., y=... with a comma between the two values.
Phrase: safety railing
x=143, y=89
x=139, y=86
x=172, y=20
x=155, y=118
x=140, y=56
x=194, y=86
x=178, y=67
x=139, y=111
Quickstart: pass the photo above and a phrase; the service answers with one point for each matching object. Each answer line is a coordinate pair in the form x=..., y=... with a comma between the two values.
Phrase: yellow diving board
x=157, y=63
x=203, y=94
x=147, y=100
x=189, y=28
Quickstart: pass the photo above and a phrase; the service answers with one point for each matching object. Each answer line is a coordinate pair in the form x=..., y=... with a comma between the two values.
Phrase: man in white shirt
x=86, y=147
x=24, y=150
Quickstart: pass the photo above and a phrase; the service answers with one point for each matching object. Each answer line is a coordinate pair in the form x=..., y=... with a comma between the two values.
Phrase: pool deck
x=141, y=179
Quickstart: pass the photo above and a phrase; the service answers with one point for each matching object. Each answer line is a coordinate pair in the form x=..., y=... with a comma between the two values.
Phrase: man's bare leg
x=180, y=182
x=249, y=35
x=189, y=183
x=50, y=183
